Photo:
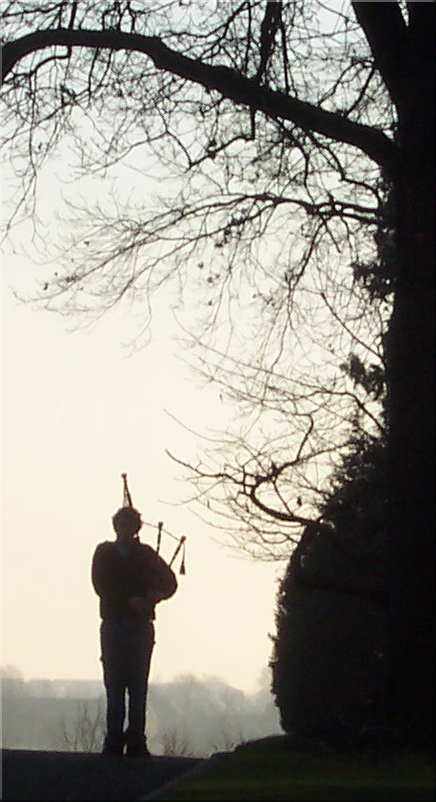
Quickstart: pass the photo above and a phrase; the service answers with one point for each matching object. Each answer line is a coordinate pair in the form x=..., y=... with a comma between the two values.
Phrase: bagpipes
x=181, y=541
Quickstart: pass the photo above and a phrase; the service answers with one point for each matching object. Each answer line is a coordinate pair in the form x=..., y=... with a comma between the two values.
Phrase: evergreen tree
x=329, y=658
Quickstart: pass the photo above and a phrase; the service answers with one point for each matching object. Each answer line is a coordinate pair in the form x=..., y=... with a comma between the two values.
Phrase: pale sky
x=77, y=411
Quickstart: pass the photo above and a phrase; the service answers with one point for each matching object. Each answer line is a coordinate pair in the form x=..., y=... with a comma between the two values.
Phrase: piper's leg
x=112, y=656
x=137, y=686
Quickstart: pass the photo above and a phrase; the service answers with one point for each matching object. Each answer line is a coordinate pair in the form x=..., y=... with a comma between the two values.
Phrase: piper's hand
x=140, y=605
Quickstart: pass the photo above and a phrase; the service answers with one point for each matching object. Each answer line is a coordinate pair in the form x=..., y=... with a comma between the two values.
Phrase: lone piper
x=130, y=578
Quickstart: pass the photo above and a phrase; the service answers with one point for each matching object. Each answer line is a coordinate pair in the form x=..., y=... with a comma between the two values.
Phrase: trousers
x=126, y=650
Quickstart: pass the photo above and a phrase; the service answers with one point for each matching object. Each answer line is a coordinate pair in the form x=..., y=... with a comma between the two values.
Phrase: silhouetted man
x=130, y=578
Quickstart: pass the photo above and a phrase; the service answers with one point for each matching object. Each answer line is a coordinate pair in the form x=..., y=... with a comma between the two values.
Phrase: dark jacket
x=117, y=578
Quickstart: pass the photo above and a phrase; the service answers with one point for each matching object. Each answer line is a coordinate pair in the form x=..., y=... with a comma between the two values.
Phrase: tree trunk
x=410, y=381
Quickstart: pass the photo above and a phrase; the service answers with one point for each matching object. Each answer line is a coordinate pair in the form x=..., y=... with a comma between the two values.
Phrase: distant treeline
x=188, y=716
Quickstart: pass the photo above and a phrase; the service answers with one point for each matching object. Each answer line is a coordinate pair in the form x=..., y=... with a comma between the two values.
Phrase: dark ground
x=28, y=774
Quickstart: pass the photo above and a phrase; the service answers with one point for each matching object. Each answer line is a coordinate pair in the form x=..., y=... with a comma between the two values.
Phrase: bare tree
x=269, y=119
x=264, y=481
x=85, y=733
x=12, y=682
x=175, y=744
x=268, y=478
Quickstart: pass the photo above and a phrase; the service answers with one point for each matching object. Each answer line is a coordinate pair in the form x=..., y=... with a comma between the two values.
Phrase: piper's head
x=127, y=523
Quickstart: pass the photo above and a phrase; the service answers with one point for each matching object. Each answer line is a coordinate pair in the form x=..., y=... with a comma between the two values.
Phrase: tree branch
x=387, y=36
x=228, y=82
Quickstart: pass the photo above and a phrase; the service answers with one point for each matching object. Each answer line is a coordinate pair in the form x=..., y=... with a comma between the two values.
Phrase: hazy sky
x=78, y=411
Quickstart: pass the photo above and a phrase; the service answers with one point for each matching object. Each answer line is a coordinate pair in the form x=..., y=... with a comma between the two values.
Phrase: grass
x=272, y=768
